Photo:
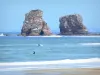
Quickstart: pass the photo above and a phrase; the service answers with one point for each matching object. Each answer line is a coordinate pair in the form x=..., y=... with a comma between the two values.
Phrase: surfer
x=40, y=45
x=33, y=52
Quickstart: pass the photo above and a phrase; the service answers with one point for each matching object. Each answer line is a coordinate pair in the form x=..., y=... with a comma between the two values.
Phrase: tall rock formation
x=34, y=25
x=72, y=24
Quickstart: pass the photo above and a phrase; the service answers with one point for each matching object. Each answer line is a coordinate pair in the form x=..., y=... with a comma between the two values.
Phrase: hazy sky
x=12, y=12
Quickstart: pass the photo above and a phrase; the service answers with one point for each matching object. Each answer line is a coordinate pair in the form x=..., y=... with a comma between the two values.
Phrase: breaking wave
x=67, y=63
x=46, y=36
x=90, y=44
x=81, y=36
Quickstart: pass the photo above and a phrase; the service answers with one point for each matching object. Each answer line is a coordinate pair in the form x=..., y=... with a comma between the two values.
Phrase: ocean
x=44, y=52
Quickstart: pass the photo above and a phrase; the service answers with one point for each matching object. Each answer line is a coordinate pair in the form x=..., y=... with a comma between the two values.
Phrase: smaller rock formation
x=72, y=24
x=34, y=25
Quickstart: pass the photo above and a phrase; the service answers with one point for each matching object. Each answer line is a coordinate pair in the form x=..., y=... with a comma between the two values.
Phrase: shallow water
x=54, y=52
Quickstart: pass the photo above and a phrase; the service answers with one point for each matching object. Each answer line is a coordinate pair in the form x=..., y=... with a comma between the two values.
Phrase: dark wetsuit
x=33, y=52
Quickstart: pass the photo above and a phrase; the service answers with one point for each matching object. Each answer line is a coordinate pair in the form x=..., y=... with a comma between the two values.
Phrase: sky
x=12, y=13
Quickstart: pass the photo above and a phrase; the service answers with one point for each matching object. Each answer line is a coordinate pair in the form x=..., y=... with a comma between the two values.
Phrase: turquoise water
x=16, y=49
x=17, y=53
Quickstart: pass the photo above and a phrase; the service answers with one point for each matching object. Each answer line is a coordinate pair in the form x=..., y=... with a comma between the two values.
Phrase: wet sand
x=72, y=71
x=68, y=71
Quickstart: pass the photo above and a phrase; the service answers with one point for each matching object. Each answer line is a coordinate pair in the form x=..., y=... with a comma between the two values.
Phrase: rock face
x=34, y=25
x=72, y=24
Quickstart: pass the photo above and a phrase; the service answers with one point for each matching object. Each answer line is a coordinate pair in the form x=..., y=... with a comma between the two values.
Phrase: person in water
x=40, y=45
x=33, y=52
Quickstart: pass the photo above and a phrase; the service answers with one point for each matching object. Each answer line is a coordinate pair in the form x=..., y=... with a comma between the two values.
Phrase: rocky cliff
x=34, y=25
x=72, y=24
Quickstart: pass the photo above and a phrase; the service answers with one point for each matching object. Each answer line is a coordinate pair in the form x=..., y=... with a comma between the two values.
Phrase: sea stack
x=72, y=25
x=34, y=25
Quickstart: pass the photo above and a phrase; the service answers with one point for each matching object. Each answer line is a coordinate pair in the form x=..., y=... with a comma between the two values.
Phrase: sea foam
x=82, y=36
x=67, y=63
x=90, y=44
x=46, y=36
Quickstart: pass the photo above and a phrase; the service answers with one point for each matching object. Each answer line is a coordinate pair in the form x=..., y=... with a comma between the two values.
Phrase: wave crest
x=90, y=44
x=67, y=63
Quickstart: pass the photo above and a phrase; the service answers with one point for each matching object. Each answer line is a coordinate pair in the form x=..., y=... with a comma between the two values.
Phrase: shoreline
x=60, y=71
x=65, y=71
